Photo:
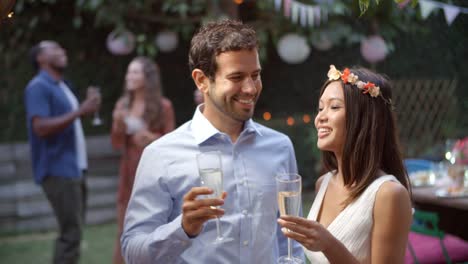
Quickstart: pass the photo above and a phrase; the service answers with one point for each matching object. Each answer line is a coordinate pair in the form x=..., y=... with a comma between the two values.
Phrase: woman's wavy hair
x=153, y=93
x=372, y=141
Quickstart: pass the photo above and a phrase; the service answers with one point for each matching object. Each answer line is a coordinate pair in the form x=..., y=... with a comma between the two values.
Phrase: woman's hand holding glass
x=311, y=234
x=289, y=187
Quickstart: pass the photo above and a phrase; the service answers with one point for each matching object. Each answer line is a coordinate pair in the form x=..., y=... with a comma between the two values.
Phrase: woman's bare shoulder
x=392, y=198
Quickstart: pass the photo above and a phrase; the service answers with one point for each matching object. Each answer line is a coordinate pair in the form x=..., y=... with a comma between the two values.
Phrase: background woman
x=362, y=210
x=140, y=116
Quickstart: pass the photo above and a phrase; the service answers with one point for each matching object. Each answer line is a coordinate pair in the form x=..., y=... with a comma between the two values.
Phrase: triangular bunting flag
x=310, y=16
x=451, y=12
x=324, y=14
x=303, y=12
x=317, y=15
x=426, y=8
x=294, y=11
x=277, y=5
x=287, y=8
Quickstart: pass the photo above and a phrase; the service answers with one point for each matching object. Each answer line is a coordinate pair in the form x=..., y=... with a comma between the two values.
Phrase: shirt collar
x=202, y=128
x=44, y=74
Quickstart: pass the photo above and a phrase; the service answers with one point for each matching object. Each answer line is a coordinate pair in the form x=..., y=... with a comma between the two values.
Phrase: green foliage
x=364, y=5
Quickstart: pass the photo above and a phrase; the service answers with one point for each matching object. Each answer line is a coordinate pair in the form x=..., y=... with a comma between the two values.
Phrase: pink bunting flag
x=287, y=8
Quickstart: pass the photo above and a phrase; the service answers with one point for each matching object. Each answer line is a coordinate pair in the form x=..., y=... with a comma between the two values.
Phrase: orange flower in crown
x=348, y=77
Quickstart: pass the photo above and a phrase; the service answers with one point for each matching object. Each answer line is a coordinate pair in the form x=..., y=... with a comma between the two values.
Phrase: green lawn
x=97, y=248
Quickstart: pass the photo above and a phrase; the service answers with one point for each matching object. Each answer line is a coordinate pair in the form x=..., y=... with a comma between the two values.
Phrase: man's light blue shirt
x=167, y=171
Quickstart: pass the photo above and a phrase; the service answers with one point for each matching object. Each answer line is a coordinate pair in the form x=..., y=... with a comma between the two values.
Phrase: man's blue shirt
x=54, y=155
x=167, y=171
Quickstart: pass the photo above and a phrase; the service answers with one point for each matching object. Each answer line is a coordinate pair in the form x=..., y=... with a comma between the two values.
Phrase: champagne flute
x=94, y=90
x=289, y=186
x=211, y=174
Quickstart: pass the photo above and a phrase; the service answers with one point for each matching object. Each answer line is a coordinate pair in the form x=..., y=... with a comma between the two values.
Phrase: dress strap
x=319, y=197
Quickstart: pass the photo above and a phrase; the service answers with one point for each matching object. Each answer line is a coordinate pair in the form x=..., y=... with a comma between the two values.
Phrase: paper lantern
x=167, y=41
x=322, y=43
x=293, y=48
x=120, y=42
x=374, y=49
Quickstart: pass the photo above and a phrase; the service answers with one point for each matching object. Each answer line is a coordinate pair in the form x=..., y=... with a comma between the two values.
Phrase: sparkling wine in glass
x=94, y=90
x=289, y=188
x=211, y=174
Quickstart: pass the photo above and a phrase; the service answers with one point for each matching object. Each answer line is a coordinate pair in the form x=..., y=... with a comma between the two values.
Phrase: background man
x=58, y=150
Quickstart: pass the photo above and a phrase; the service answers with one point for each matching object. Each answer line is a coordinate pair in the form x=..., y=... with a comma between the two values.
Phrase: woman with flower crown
x=362, y=209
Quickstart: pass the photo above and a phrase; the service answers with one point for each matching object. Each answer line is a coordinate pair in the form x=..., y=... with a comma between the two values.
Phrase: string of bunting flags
x=313, y=15
x=450, y=11
x=300, y=13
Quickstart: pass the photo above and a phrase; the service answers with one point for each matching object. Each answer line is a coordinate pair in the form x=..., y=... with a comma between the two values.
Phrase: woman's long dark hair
x=153, y=93
x=371, y=136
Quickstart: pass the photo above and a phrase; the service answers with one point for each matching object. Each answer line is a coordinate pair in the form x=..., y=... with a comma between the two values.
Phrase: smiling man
x=169, y=219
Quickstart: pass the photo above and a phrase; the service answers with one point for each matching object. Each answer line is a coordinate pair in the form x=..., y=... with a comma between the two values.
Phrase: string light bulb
x=306, y=118
x=266, y=116
x=290, y=121
x=10, y=15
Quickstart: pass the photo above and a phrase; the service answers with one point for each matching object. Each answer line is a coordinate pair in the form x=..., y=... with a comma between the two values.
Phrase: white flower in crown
x=360, y=84
x=333, y=74
x=352, y=78
x=374, y=91
x=371, y=89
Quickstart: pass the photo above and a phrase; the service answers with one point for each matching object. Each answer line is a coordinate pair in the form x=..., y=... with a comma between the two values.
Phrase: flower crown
x=348, y=77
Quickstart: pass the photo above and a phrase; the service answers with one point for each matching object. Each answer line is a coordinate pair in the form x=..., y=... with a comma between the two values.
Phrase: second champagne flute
x=211, y=174
x=289, y=188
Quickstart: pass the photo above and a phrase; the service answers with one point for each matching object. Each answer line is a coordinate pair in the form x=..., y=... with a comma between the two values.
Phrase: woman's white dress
x=353, y=226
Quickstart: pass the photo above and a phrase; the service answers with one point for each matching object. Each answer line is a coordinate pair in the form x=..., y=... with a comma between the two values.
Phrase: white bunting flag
x=426, y=8
x=451, y=12
x=277, y=5
x=310, y=16
x=317, y=15
x=294, y=12
x=303, y=15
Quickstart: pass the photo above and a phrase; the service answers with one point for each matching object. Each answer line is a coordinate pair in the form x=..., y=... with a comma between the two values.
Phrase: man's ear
x=41, y=58
x=201, y=80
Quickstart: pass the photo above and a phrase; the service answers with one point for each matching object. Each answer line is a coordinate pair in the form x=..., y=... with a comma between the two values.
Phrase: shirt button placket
x=245, y=228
